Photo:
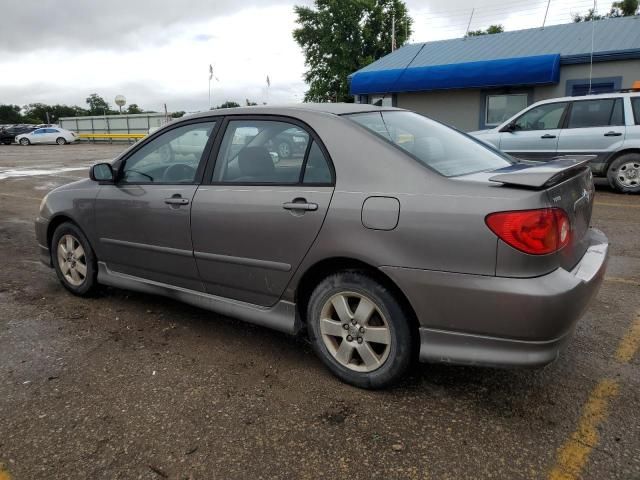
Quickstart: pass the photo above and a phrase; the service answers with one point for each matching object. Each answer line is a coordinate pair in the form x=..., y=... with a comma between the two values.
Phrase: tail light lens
x=537, y=232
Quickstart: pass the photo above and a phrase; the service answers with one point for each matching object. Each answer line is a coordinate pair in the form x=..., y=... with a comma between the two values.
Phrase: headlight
x=42, y=203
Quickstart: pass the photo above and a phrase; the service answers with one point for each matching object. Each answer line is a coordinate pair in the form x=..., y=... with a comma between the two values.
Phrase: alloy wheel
x=355, y=331
x=72, y=260
x=284, y=150
x=628, y=174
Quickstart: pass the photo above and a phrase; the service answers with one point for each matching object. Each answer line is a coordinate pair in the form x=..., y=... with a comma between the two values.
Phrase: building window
x=502, y=107
x=581, y=86
x=387, y=100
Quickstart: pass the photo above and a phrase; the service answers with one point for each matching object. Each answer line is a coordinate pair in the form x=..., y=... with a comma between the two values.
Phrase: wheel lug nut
x=360, y=340
x=361, y=329
x=345, y=326
x=353, y=322
x=349, y=338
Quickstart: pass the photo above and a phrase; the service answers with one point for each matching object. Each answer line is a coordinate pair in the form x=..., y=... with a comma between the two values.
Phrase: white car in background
x=47, y=135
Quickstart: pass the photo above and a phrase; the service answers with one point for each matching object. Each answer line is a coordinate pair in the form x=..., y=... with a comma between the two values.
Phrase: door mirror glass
x=101, y=172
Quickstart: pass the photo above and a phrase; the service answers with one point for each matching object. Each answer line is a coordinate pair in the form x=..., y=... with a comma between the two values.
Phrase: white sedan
x=47, y=135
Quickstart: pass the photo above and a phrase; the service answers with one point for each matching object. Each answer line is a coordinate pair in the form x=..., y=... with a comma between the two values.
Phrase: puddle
x=33, y=172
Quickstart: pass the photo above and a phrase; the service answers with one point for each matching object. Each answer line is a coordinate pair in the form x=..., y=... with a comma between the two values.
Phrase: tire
x=24, y=142
x=623, y=173
x=348, y=290
x=78, y=283
x=284, y=150
x=61, y=141
x=7, y=142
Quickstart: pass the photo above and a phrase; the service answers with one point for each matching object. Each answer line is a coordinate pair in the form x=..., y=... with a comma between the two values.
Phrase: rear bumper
x=496, y=321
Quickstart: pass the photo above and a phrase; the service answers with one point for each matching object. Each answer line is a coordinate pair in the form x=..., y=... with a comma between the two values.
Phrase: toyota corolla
x=388, y=237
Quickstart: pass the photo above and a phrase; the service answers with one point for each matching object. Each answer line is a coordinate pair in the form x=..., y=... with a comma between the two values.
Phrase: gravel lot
x=127, y=385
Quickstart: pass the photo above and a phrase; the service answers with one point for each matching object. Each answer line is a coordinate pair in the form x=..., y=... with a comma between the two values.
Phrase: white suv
x=606, y=126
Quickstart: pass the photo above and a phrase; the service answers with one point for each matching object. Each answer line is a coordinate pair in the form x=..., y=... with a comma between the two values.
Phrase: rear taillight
x=537, y=232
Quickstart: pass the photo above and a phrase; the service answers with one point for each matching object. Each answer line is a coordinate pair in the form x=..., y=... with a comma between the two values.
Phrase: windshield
x=435, y=145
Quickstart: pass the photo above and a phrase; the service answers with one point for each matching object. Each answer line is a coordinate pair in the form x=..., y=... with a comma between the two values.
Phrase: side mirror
x=101, y=172
x=509, y=127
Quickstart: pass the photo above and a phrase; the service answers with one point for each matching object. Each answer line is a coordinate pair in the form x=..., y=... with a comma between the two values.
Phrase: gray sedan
x=393, y=237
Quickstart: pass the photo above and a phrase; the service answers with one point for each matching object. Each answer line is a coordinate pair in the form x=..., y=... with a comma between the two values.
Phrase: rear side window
x=596, y=113
x=433, y=144
x=635, y=102
x=317, y=169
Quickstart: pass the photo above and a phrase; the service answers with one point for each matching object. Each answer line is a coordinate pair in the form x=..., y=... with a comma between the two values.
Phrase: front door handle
x=300, y=205
x=548, y=136
x=176, y=201
x=613, y=134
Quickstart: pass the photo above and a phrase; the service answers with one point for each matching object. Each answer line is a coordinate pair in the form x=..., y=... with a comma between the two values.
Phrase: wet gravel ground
x=127, y=385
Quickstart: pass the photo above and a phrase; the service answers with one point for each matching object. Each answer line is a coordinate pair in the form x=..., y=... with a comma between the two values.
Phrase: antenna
x=379, y=102
x=545, y=14
x=469, y=24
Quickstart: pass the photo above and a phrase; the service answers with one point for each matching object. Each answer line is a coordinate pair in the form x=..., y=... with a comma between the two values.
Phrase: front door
x=256, y=220
x=535, y=134
x=143, y=220
x=593, y=127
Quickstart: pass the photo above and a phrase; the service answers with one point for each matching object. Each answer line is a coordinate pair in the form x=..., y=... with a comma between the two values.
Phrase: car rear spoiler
x=542, y=174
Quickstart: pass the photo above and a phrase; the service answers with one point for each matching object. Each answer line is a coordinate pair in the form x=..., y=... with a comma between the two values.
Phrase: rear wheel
x=24, y=141
x=60, y=141
x=7, y=142
x=359, y=330
x=74, y=260
x=624, y=173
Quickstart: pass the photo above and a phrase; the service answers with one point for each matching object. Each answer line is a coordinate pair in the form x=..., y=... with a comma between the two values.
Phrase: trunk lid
x=568, y=184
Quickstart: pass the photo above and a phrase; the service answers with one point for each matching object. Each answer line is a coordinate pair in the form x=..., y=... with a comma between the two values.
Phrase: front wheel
x=61, y=141
x=74, y=260
x=624, y=173
x=359, y=330
x=24, y=142
x=7, y=142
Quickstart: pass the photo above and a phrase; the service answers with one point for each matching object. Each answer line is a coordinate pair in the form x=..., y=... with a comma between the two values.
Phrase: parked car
x=289, y=143
x=606, y=126
x=47, y=135
x=8, y=134
x=393, y=237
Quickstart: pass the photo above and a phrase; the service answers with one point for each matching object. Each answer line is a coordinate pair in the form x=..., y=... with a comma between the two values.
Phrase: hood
x=478, y=133
x=78, y=185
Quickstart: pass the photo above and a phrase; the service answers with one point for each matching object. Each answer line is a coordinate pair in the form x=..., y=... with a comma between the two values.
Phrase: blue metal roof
x=613, y=37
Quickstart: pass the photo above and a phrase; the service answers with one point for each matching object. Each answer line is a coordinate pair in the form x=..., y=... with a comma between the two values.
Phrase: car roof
x=331, y=108
x=595, y=96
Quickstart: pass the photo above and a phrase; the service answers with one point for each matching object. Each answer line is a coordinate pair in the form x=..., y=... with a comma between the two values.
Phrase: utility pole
x=393, y=31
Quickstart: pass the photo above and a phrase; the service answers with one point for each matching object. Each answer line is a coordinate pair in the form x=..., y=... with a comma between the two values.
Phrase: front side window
x=502, y=107
x=596, y=113
x=173, y=157
x=433, y=144
x=39, y=131
x=543, y=117
x=635, y=103
x=262, y=152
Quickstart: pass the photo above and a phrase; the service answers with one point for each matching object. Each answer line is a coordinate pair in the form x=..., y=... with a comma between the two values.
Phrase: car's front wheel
x=73, y=259
x=359, y=330
x=61, y=141
x=7, y=142
x=624, y=173
x=24, y=141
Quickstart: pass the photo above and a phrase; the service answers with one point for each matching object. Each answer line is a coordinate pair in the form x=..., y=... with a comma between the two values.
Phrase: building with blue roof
x=478, y=82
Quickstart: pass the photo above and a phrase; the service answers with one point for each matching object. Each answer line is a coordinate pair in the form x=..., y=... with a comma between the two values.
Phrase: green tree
x=228, y=104
x=10, y=114
x=339, y=37
x=178, y=114
x=97, y=105
x=37, y=112
x=133, y=109
x=249, y=102
x=623, y=8
x=489, y=31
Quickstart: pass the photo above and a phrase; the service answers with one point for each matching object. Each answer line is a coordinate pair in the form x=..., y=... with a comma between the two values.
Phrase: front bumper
x=497, y=321
x=41, y=226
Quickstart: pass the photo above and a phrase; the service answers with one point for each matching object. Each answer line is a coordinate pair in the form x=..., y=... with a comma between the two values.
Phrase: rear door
x=536, y=132
x=593, y=127
x=255, y=221
x=143, y=220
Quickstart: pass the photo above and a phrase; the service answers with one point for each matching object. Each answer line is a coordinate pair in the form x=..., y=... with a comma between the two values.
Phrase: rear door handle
x=176, y=201
x=310, y=207
x=548, y=136
x=613, y=134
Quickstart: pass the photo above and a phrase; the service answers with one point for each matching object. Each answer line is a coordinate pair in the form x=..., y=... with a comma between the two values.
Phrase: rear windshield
x=433, y=144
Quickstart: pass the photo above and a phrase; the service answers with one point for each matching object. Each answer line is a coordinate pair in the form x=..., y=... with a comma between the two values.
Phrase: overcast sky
x=159, y=51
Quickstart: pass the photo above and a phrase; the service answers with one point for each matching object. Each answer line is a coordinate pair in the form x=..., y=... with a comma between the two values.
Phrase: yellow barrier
x=113, y=135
